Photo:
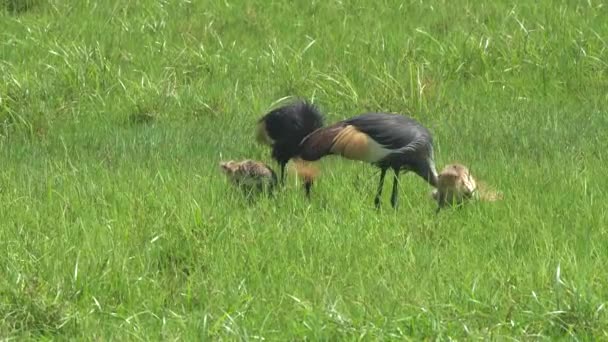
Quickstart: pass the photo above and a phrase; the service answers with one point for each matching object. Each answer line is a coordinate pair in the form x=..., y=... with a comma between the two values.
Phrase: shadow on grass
x=16, y=7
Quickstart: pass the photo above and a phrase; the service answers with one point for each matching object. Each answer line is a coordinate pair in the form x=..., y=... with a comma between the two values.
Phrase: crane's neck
x=431, y=175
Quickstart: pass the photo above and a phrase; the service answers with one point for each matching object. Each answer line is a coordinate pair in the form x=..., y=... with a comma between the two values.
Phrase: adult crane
x=284, y=128
x=388, y=141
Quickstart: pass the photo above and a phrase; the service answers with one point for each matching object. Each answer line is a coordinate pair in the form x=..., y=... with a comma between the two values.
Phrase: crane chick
x=249, y=175
x=455, y=185
x=255, y=177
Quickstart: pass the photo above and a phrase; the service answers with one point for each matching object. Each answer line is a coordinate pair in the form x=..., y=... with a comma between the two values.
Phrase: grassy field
x=116, y=223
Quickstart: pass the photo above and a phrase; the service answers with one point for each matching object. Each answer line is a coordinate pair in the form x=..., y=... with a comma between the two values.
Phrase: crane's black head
x=283, y=128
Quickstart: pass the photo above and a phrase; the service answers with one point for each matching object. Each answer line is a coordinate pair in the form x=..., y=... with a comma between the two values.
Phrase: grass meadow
x=116, y=222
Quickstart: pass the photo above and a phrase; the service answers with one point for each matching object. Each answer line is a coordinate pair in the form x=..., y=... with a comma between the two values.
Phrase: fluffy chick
x=455, y=185
x=249, y=175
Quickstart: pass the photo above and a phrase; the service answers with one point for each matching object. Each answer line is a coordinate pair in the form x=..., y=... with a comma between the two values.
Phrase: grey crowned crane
x=284, y=128
x=388, y=141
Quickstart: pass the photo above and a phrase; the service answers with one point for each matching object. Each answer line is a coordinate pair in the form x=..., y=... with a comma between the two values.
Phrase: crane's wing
x=344, y=140
x=392, y=131
x=320, y=142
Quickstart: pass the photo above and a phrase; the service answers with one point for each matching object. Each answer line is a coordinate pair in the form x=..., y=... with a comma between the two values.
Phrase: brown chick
x=250, y=175
x=455, y=185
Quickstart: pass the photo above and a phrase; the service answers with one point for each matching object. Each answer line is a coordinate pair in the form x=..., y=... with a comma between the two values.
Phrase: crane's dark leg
x=379, y=193
x=395, y=188
x=307, y=186
x=283, y=173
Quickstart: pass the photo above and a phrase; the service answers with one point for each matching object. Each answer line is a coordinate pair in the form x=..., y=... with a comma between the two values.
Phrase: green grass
x=116, y=223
